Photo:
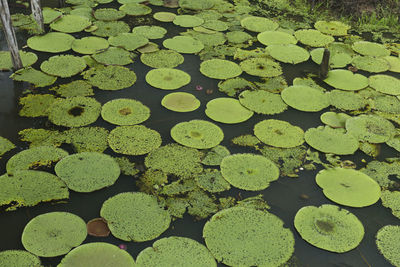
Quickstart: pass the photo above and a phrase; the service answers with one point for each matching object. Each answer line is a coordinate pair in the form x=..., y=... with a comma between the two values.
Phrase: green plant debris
x=53, y=42
x=183, y=44
x=70, y=24
x=53, y=234
x=227, y=110
x=134, y=9
x=176, y=251
x=128, y=41
x=152, y=181
x=305, y=98
x=127, y=167
x=394, y=142
x=336, y=59
x=87, y=139
x=370, y=64
x=180, y=102
x=74, y=88
x=234, y=86
x=108, y=14
x=262, y=67
x=257, y=202
x=114, y=56
x=89, y=45
x=110, y=77
x=220, y=69
x=238, y=37
x=211, y=180
x=198, y=134
x=178, y=187
x=150, y=32
x=33, y=76
x=42, y=137
x=167, y=78
x=308, y=82
x=164, y=16
x=387, y=241
x=345, y=100
x=223, y=235
x=201, y=205
x=36, y=105
x=176, y=206
x=28, y=188
x=329, y=227
x=276, y=38
x=135, y=216
x=246, y=140
x=348, y=187
x=214, y=156
x=134, y=140
x=334, y=28
x=288, y=53
x=385, y=103
x=110, y=28
x=32, y=158
x=391, y=199
x=124, y=111
x=380, y=171
x=249, y=171
x=273, y=84
x=74, y=111
x=207, y=39
x=334, y=120
x=372, y=150
x=279, y=133
x=63, y=66
x=346, y=80
x=5, y=145
x=258, y=24
x=175, y=159
x=19, y=258
x=97, y=254
x=366, y=48
x=188, y=21
x=27, y=58
x=162, y=59
x=385, y=84
x=313, y=38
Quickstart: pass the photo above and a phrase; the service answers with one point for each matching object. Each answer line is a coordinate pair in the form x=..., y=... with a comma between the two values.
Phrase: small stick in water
x=324, y=66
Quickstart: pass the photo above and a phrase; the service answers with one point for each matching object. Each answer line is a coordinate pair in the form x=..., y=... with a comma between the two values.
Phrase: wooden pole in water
x=10, y=34
x=61, y=3
x=37, y=13
x=324, y=66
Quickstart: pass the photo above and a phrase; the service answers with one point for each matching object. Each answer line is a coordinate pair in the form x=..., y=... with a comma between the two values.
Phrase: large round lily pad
x=279, y=133
x=110, y=77
x=385, y=84
x=334, y=28
x=33, y=76
x=63, y=65
x=249, y=171
x=110, y=28
x=18, y=258
x=183, y=44
x=89, y=45
x=288, y=53
x=227, y=110
x=220, y=69
x=124, y=111
x=248, y=237
x=388, y=243
x=88, y=171
x=150, y=32
x=196, y=4
x=108, y=14
x=53, y=42
x=162, y=59
x=167, y=79
x=70, y=24
x=180, y=102
x=198, y=134
x=258, y=24
x=261, y=66
x=211, y=180
x=346, y=100
x=305, y=98
x=336, y=59
x=128, y=41
x=313, y=38
x=366, y=48
x=263, y=102
x=53, y=234
x=27, y=58
x=348, y=187
x=334, y=120
x=370, y=64
x=134, y=9
x=188, y=21
x=114, y=56
x=164, y=16
x=329, y=227
x=135, y=216
x=276, y=38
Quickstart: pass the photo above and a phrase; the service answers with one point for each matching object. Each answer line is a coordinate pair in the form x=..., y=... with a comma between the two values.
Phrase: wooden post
x=37, y=13
x=10, y=34
x=61, y=3
x=324, y=66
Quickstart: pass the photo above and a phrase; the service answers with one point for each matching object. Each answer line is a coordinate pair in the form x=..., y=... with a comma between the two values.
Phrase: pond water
x=284, y=196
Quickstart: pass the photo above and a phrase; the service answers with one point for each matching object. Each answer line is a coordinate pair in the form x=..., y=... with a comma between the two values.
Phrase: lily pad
x=53, y=42
x=238, y=37
x=276, y=38
x=313, y=38
x=53, y=234
x=227, y=110
x=134, y=9
x=387, y=241
x=346, y=80
x=329, y=227
x=124, y=111
x=288, y=53
x=74, y=88
x=33, y=76
x=70, y=24
x=27, y=58
x=394, y=63
x=212, y=181
x=110, y=28
x=262, y=67
x=180, y=102
x=215, y=25
x=370, y=64
x=134, y=140
x=196, y=4
x=128, y=41
x=385, y=84
x=336, y=59
x=110, y=77
x=334, y=120
x=19, y=258
x=183, y=44
x=89, y=45
x=164, y=16
x=108, y=14
x=258, y=24
x=262, y=102
x=233, y=86
x=114, y=56
x=162, y=59
x=305, y=98
x=150, y=32
x=98, y=227
x=63, y=66
x=135, y=216
x=279, y=133
x=36, y=105
x=5, y=145
x=391, y=199
x=366, y=48
x=50, y=14
x=167, y=78
x=87, y=139
x=346, y=100
x=348, y=187
x=334, y=28
x=188, y=21
x=220, y=69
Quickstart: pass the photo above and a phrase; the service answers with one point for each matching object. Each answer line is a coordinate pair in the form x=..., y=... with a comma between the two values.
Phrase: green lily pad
x=346, y=100
x=63, y=66
x=89, y=45
x=305, y=98
x=135, y=216
x=87, y=139
x=262, y=67
x=167, y=78
x=128, y=41
x=110, y=77
x=234, y=237
x=233, y=86
x=74, y=88
x=346, y=80
x=88, y=171
x=74, y=111
x=70, y=24
x=188, y=21
x=162, y=59
x=212, y=181
x=385, y=103
x=41, y=137
x=220, y=69
x=258, y=24
x=196, y=4
x=183, y=44
x=27, y=58
x=385, y=84
x=387, y=241
x=370, y=63
x=207, y=39
x=50, y=14
x=108, y=14
x=279, y=133
x=391, y=199
x=36, y=105
x=110, y=28
x=53, y=234
x=249, y=171
x=330, y=140
x=215, y=25
x=366, y=48
x=5, y=145
x=150, y=32
x=276, y=38
x=164, y=16
x=53, y=42
x=134, y=140
x=329, y=227
x=348, y=187
x=19, y=258
x=313, y=38
x=238, y=37
x=114, y=56
x=288, y=53
x=124, y=111
x=262, y=102
x=394, y=63
x=227, y=110
x=134, y=9
x=334, y=120
x=33, y=76
x=97, y=254
x=28, y=188
x=198, y=134
x=176, y=251
x=336, y=59
x=180, y=102
x=334, y=28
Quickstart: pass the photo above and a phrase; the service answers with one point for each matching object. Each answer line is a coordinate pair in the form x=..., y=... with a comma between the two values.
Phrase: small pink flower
x=123, y=246
x=199, y=87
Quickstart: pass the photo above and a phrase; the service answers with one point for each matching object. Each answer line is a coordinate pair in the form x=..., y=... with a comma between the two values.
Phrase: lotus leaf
x=231, y=87
x=89, y=45
x=70, y=24
x=53, y=42
x=164, y=16
x=36, y=105
x=97, y=254
x=346, y=80
x=175, y=159
x=288, y=53
x=162, y=59
x=305, y=98
x=63, y=66
x=238, y=37
x=114, y=56
x=50, y=14
x=134, y=140
x=110, y=77
x=110, y=28
x=183, y=44
x=370, y=63
x=167, y=78
x=263, y=67
x=248, y=237
x=366, y=48
x=336, y=59
x=370, y=128
x=227, y=110
x=150, y=32
x=135, y=216
x=276, y=38
x=387, y=241
x=128, y=41
x=34, y=157
x=220, y=69
x=335, y=28
x=134, y=9
x=385, y=84
x=279, y=133
x=258, y=24
x=330, y=140
x=196, y=4
x=124, y=111
x=19, y=258
x=53, y=234
x=391, y=199
x=5, y=145
x=348, y=187
x=27, y=58
x=180, y=102
x=329, y=227
x=88, y=171
x=345, y=100
x=313, y=38
x=74, y=88
x=74, y=111
x=188, y=21
x=394, y=63
x=108, y=14
x=33, y=76
x=198, y=134
x=334, y=120
x=87, y=139
x=249, y=171
x=214, y=156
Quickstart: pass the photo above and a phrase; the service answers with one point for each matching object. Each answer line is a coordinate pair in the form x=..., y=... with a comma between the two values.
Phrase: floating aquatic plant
x=220, y=69
x=370, y=49
x=262, y=67
x=164, y=16
x=238, y=37
x=110, y=77
x=334, y=120
x=305, y=98
x=70, y=24
x=196, y=5
x=134, y=9
x=370, y=63
x=53, y=42
x=114, y=56
x=108, y=14
x=162, y=59
x=276, y=38
x=313, y=38
x=74, y=88
x=36, y=105
x=227, y=110
x=128, y=41
x=98, y=227
x=391, y=199
x=180, y=102
x=233, y=86
x=214, y=156
x=387, y=241
x=19, y=258
x=124, y=111
x=211, y=180
x=334, y=28
x=63, y=66
x=167, y=78
x=346, y=100
x=263, y=102
x=36, y=77
x=385, y=84
x=150, y=32
x=183, y=44
x=188, y=21
x=87, y=139
x=110, y=28
x=27, y=58
x=89, y=45
x=258, y=24
x=279, y=133
x=288, y=53
x=5, y=145
x=336, y=59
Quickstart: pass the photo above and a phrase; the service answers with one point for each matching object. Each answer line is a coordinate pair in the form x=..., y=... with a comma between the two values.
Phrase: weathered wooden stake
x=37, y=13
x=324, y=66
x=10, y=34
x=61, y=3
